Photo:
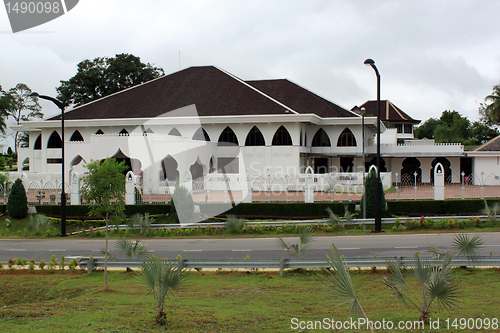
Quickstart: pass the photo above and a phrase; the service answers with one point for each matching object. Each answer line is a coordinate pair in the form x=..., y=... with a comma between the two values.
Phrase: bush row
x=438, y=207
x=256, y=229
x=82, y=211
x=278, y=209
x=442, y=224
x=289, y=209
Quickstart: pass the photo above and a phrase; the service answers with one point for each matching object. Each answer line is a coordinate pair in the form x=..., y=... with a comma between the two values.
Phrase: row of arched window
x=227, y=137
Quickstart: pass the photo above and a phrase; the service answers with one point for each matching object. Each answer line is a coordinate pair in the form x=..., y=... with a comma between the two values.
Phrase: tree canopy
x=19, y=105
x=104, y=76
x=492, y=111
x=453, y=127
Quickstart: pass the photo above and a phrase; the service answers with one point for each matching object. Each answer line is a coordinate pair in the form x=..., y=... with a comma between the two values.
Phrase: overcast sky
x=432, y=55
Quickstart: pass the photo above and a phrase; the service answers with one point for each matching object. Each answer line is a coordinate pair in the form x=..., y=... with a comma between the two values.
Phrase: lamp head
x=369, y=62
x=34, y=94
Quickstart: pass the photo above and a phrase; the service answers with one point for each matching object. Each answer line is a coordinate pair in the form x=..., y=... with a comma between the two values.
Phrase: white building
x=204, y=121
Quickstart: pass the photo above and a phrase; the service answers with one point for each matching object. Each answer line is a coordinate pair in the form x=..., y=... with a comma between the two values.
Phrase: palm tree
x=132, y=249
x=463, y=245
x=302, y=247
x=340, y=283
x=493, y=109
x=435, y=285
x=142, y=221
x=161, y=277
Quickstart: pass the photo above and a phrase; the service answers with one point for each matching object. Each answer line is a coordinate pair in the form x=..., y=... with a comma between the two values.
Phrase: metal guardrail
x=282, y=264
x=370, y=221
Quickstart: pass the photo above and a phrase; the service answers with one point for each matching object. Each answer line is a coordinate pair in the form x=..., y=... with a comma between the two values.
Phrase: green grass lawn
x=214, y=301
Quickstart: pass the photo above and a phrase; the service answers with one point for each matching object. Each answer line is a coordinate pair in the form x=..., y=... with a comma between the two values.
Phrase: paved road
x=239, y=248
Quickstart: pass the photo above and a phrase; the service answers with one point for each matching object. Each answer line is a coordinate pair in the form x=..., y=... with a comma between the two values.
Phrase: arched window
x=175, y=131
x=38, y=143
x=346, y=139
x=54, y=141
x=76, y=136
x=282, y=137
x=99, y=132
x=201, y=135
x=227, y=138
x=124, y=132
x=255, y=138
x=321, y=139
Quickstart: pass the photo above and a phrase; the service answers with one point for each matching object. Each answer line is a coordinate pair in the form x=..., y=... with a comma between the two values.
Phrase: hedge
x=438, y=207
x=83, y=210
x=278, y=209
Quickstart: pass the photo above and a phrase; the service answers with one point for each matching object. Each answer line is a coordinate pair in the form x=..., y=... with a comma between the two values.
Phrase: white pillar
x=75, y=189
x=309, y=185
x=439, y=182
x=129, y=189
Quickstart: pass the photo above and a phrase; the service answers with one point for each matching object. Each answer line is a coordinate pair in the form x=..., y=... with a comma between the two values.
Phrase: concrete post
x=438, y=182
x=75, y=189
x=129, y=189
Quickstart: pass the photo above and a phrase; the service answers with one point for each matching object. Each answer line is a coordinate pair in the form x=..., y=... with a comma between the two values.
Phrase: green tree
x=370, y=192
x=104, y=76
x=435, y=284
x=161, y=277
x=482, y=133
x=21, y=107
x=104, y=187
x=426, y=130
x=492, y=110
x=17, y=206
x=5, y=101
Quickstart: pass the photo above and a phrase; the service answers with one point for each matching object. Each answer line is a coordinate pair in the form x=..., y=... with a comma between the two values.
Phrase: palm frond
x=463, y=244
x=282, y=243
x=131, y=249
x=340, y=283
x=333, y=219
x=435, y=251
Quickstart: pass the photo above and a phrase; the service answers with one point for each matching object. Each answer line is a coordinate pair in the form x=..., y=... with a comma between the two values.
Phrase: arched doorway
x=131, y=163
x=197, y=175
x=446, y=166
x=383, y=168
x=169, y=170
x=410, y=166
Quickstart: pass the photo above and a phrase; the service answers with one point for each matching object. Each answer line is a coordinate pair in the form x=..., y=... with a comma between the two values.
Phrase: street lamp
x=60, y=105
x=378, y=188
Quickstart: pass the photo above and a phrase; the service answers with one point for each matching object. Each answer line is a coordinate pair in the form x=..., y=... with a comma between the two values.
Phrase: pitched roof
x=388, y=112
x=492, y=145
x=213, y=91
x=299, y=98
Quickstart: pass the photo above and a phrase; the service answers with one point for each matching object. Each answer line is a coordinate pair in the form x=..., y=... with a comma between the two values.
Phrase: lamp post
x=60, y=105
x=378, y=192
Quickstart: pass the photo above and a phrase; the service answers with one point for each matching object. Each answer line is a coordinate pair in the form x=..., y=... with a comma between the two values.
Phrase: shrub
x=370, y=193
x=41, y=264
x=17, y=205
x=182, y=204
x=234, y=225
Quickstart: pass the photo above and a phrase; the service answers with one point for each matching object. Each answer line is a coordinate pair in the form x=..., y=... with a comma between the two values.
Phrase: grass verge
x=214, y=301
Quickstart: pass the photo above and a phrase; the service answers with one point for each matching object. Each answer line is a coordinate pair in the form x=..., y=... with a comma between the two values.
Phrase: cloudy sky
x=432, y=55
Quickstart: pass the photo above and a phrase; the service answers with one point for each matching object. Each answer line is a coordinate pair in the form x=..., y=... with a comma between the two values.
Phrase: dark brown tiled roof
x=300, y=99
x=388, y=112
x=213, y=91
x=492, y=145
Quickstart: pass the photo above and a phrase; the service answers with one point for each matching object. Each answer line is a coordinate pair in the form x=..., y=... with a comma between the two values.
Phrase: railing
x=282, y=264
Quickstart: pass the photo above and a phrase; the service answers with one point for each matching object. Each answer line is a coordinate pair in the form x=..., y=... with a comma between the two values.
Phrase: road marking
x=17, y=249
x=350, y=248
x=57, y=250
x=406, y=247
x=241, y=250
x=192, y=250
